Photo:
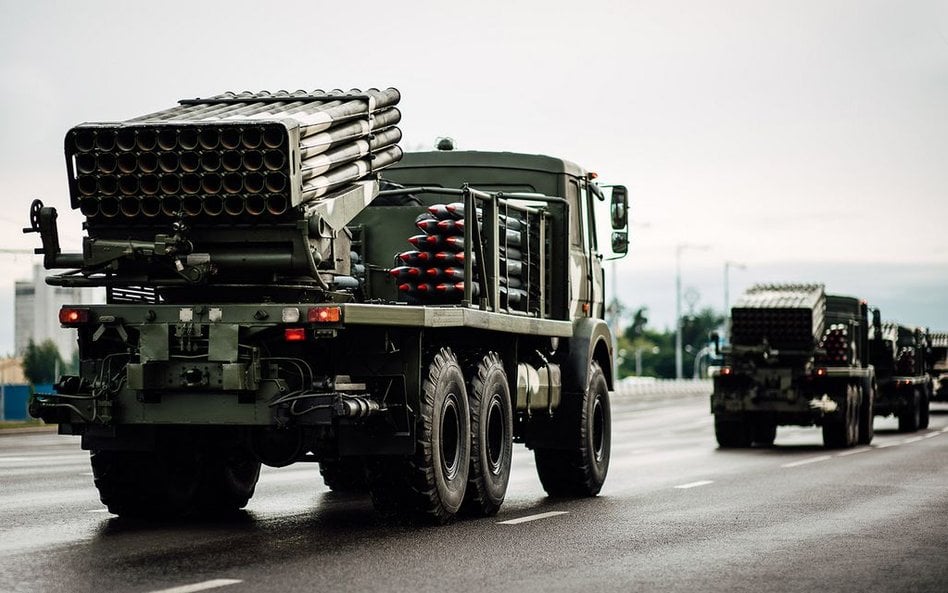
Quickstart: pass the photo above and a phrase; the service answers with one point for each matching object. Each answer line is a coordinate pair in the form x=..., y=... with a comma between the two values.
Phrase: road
x=677, y=514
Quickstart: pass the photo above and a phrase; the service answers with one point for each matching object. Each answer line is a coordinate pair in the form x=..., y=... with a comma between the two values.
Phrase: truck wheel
x=732, y=433
x=146, y=484
x=430, y=484
x=924, y=413
x=344, y=475
x=580, y=469
x=867, y=412
x=228, y=482
x=842, y=431
x=491, y=437
x=910, y=416
x=764, y=433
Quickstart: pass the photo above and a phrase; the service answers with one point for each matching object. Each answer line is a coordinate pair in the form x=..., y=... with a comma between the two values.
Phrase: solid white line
x=912, y=440
x=932, y=434
x=694, y=484
x=529, y=518
x=853, y=452
x=98, y=511
x=200, y=586
x=886, y=445
x=806, y=461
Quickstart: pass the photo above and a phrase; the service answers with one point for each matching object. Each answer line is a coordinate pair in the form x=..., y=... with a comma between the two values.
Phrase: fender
x=591, y=339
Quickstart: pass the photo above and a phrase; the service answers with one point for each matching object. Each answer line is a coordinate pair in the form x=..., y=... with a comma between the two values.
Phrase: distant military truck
x=939, y=365
x=797, y=357
x=900, y=356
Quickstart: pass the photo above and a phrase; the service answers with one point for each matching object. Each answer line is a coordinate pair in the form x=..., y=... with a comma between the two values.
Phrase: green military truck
x=939, y=365
x=797, y=356
x=901, y=358
x=268, y=303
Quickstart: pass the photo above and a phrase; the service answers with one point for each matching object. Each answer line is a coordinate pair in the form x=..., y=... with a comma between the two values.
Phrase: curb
x=9, y=432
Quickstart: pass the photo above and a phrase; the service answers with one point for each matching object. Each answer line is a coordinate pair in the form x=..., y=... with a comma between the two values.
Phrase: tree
x=41, y=362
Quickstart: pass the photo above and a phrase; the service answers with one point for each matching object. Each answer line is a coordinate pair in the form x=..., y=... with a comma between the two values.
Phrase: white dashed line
x=694, y=484
x=87, y=474
x=807, y=461
x=98, y=511
x=853, y=452
x=214, y=584
x=529, y=518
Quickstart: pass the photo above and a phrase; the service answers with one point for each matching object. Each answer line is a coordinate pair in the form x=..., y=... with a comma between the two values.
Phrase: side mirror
x=877, y=319
x=716, y=340
x=620, y=242
x=620, y=207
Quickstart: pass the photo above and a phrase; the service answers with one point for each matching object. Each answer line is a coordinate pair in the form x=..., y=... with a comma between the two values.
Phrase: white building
x=36, y=310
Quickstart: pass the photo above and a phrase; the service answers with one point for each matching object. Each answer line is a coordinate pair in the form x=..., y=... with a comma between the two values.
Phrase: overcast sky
x=806, y=139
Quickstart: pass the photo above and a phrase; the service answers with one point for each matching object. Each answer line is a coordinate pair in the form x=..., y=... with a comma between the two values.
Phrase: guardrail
x=664, y=388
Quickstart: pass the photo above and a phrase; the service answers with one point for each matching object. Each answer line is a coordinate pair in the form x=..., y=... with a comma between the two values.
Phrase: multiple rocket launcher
x=239, y=155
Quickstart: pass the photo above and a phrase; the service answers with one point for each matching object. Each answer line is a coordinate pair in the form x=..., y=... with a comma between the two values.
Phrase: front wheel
x=580, y=467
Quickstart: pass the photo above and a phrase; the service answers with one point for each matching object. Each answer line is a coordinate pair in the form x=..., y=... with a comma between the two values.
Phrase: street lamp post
x=727, y=286
x=678, y=249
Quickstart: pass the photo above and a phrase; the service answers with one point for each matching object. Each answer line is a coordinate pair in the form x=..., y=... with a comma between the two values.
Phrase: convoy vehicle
x=939, y=365
x=798, y=356
x=900, y=355
x=261, y=308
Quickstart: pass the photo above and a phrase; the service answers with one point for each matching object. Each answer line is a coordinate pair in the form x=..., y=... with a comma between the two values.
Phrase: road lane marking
x=932, y=434
x=98, y=511
x=529, y=518
x=853, y=452
x=887, y=445
x=694, y=484
x=912, y=440
x=807, y=461
x=945, y=429
x=214, y=584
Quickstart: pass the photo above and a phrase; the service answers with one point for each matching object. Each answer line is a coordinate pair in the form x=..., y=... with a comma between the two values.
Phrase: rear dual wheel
x=910, y=418
x=842, y=430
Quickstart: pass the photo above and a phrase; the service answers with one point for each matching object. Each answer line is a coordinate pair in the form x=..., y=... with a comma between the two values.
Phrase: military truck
x=939, y=365
x=901, y=358
x=798, y=356
x=270, y=300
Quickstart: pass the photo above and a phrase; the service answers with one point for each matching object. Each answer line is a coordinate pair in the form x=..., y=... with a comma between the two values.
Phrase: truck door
x=594, y=254
x=579, y=282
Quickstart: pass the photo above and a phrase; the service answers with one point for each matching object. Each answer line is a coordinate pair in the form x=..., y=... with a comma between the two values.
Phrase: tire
x=430, y=485
x=228, y=482
x=924, y=414
x=137, y=484
x=491, y=438
x=580, y=468
x=344, y=475
x=732, y=433
x=764, y=433
x=842, y=431
x=910, y=418
x=867, y=412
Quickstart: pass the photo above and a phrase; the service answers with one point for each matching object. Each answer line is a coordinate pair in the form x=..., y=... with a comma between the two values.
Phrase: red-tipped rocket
x=406, y=273
x=416, y=258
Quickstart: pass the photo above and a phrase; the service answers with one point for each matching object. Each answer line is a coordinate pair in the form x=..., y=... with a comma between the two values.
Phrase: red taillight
x=821, y=372
x=726, y=370
x=324, y=314
x=70, y=316
x=294, y=334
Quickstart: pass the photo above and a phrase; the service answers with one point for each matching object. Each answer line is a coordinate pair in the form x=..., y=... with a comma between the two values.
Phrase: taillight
x=73, y=316
x=324, y=314
x=294, y=334
x=726, y=371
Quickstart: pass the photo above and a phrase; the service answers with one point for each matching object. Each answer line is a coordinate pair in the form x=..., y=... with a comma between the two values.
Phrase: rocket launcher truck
x=246, y=244
x=901, y=356
x=797, y=356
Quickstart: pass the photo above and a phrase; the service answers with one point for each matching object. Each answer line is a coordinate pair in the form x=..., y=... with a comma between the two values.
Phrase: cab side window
x=575, y=213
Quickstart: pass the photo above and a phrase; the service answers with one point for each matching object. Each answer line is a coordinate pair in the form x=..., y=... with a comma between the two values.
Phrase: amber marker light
x=324, y=314
x=294, y=334
x=71, y=316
